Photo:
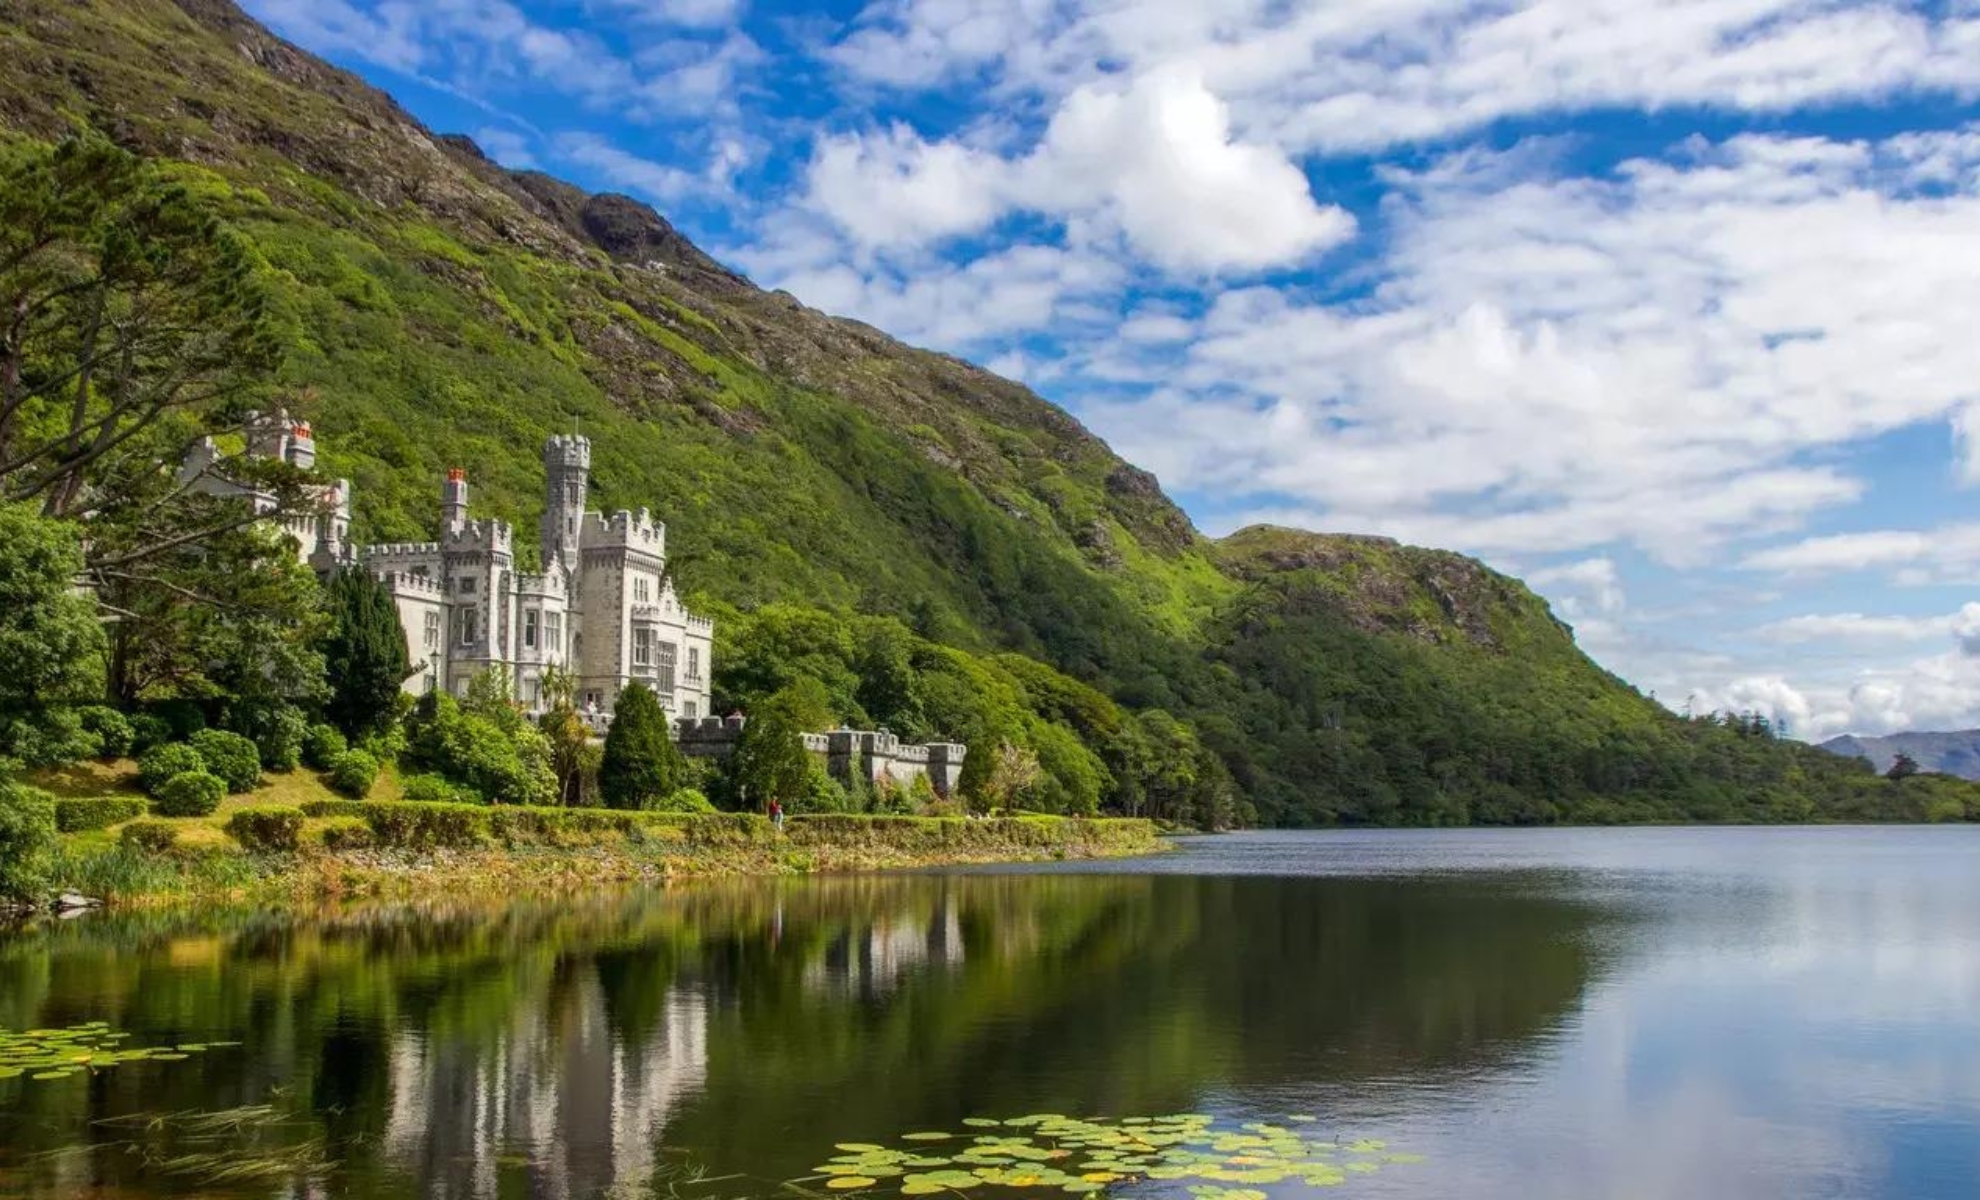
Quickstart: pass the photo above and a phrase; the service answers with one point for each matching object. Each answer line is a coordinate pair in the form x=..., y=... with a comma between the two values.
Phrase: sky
x=1670, y=307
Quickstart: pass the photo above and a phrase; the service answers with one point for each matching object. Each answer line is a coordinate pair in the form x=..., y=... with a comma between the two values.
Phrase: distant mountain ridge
x=1955, y=752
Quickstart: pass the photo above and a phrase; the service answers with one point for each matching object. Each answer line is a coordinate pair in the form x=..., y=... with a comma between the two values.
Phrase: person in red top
x=777, y=814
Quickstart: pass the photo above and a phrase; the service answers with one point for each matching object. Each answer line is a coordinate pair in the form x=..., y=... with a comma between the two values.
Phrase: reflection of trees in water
x=551, y=1048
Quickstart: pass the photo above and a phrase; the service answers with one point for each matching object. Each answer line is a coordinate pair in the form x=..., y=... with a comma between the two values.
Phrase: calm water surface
x=1573, y=1014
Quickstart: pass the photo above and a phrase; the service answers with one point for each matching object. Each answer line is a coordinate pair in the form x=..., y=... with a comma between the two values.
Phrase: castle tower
x=454, y=502
x=567, y=472
x=302, y=446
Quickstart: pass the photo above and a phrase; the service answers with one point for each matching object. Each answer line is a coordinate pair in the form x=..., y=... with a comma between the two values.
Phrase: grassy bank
x=293, y=841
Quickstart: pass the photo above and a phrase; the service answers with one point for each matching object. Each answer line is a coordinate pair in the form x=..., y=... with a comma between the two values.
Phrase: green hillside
x=937, y=547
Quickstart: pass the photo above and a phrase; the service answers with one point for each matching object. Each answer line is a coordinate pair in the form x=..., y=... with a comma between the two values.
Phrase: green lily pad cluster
x=59, y=1053
x=1080, y=1156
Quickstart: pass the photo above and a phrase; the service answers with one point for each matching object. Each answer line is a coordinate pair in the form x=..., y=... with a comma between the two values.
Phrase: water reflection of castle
x=562, y=1097
x=570, y=1089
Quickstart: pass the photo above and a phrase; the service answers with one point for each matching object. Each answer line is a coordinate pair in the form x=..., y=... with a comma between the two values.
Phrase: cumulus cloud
x=1550, y=361
x=1946, y=554
x=1592, y=585
x=1154, y=162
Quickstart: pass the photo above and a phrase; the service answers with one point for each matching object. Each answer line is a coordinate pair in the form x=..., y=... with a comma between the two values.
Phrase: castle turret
x=302, y=446
x=567, y=472
x=454, y=502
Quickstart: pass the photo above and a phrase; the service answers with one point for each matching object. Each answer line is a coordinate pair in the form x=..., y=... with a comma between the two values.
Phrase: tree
x=122, y=301
x=769, y=762
x=641, y=766
x=50, y=641
x=573, y=755
x=365, y=658
x=1904, y=767
x=1013, y=772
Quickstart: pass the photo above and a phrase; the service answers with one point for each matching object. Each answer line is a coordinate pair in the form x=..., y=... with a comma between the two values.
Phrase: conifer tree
x=641, y=766
x=366, y=657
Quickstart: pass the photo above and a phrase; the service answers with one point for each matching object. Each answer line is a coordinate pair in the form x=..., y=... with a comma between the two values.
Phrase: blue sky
x=1671, y=307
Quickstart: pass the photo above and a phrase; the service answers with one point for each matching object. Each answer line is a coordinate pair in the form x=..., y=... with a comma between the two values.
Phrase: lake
x=1481, y=1014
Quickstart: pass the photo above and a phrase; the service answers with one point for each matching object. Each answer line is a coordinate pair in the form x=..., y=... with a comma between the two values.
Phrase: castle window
x=467, y=585
x=694, y=664
x=529, y=629
x=642, y=588
x=666, y=666
x=642, y=647
x=464, y=626
x=690, y=710
x=431, y=638
x=553, y=632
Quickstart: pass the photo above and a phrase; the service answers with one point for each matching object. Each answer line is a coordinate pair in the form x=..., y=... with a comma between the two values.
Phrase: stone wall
x=849, y=754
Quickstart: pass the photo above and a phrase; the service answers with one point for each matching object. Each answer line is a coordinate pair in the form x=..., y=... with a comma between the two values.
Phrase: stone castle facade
x=602, y=608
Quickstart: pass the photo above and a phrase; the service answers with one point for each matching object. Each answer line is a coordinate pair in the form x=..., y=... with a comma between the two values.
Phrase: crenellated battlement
x=485, y=534
x=624, y=528
x=383, y=550
x=569, y=452
x=405, y=583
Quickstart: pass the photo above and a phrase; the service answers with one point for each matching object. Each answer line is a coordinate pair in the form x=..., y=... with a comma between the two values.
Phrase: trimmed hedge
x=419, y=825
x=353, y=773
x=274, y=830
x=167, y=761
x=232, y=757
x=152, y=837
x=96, y=812
x=190, y=794
x=431, y=789
x=345, y=833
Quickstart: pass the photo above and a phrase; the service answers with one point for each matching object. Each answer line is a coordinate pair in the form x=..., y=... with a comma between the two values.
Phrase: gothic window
x=694, y=663
x=690, y=710
x=553, y=632
x=464, y=626
x=431, y=639
x=642, y=647
x=642, y=589
x=529, y=629
x=666, y=666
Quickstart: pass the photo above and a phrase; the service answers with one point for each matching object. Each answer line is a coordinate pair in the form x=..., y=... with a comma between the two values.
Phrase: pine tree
x=641, y=765
x=769, y=762
x=366, y=657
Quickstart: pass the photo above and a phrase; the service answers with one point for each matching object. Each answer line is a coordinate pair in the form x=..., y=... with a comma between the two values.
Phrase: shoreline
x=403, y=863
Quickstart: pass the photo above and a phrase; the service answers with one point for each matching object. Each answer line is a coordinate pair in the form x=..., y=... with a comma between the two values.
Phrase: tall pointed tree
x=365, y=657
x=642, y=766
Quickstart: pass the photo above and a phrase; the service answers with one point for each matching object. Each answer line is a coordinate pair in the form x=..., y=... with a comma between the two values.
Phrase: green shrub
x=111, y=729
x=190, y=794
x=822, y=794
x=153, y=837
x=507, y=765
x=431, y=789
x=277, y=730
x=428, y=826
x=27, y=843
x=322, y=745
x=165, y=762
x=272, y=830
x=684, y=800
x=353, y=772
x=346, y=833
x=96, y=812
x=148, y=730
x=230, y=756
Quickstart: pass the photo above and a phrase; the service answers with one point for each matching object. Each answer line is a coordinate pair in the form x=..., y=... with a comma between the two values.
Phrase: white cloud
x=506, y=146
x=1153, y=162
x=1362, y=74
x=1592, y=585
x=1854, y=627
x=660, y=181
x=698, y=14
x=1550, y=362
x=1946, y=554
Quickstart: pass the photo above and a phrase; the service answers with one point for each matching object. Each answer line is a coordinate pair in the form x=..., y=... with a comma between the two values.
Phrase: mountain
x=439, y=309
x=1953, y=753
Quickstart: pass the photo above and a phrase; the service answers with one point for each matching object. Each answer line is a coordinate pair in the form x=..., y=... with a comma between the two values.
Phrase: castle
x=602, y=609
